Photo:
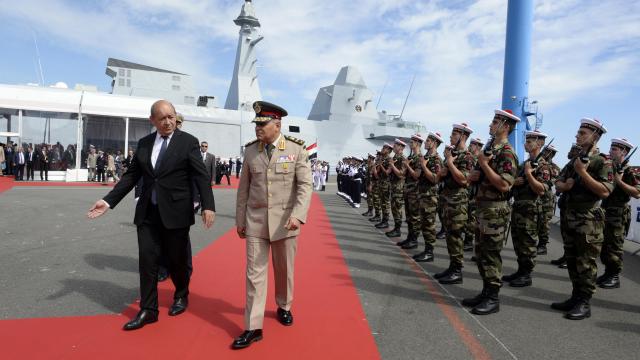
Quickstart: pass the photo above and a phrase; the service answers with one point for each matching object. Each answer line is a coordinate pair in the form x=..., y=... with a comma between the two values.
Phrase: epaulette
x=295, y=140
x=251, y=142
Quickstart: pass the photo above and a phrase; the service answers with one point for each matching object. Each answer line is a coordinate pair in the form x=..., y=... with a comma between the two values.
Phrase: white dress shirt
x=156, y=147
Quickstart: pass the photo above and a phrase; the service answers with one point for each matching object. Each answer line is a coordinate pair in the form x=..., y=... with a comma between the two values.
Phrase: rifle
x=584, y=158
x=620, y=167
x=534, y=162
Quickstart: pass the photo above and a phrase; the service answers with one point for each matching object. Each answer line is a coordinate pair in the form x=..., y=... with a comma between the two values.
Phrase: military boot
x=511, y=277
x=395, y=232
x=441, y=234
x=412, y=242
x=443, y=273
x=468, y=244
x=611, y=282
x=567, y=304
x=376, y=218
x=476, y=300
x=383, y=224
x=454, y=277
x=581, y=309
x=541, y=249
x=368, y=213
x=523, y=280
x=600, y=279
x=490, y=304
x=425, y=256
x=561, y=260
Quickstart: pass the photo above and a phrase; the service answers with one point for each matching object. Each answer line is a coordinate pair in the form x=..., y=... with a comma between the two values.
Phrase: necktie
x=269, y=150
x=163, y=148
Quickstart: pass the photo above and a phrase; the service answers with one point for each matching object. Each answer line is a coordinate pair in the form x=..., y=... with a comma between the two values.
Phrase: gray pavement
x=401, y=304
x=55, y=262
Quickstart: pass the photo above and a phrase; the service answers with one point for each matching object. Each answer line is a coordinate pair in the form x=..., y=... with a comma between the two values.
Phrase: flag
x=313, y=150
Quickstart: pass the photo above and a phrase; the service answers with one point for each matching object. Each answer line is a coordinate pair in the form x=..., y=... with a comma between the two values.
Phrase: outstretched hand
x=208, y=218
x=99, y=208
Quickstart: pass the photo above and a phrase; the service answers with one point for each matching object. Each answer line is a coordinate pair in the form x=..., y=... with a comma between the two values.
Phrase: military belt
x=488, y=204
x=585, y=205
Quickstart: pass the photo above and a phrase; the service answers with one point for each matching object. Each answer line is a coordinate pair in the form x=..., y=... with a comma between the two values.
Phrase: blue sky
x=585, y=57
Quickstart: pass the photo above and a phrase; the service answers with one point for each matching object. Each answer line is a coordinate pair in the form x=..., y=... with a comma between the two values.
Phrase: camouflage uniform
x=493, y=215
x=396, y=189
x=585, y=226
x=375, y=192
x=617, y=221
x=525, y=217
x=411, y=201
x=383, y=189
x=369, y=181
x=455, y=208
x=470, y=228
x=548, y=202
x=429, y=201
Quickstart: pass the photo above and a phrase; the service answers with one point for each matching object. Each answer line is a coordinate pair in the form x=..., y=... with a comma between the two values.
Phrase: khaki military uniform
x=270, y=192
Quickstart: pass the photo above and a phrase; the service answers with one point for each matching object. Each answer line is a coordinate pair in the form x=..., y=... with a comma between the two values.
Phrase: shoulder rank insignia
x=251, y=142
x=295, y=140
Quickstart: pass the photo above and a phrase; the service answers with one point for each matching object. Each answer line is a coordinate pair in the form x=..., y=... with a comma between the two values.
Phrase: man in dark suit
x=44, y=159
x=209, y=161
x=20, y=160
x=238, y=167
x=32, y=157
x=168, y=162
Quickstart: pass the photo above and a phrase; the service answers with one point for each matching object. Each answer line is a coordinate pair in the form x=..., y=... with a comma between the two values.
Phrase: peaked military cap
x=266, y=111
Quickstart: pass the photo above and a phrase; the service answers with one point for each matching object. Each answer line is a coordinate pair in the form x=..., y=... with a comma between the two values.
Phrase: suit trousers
x=30, y=171
x=19, y=172
x=153, y=240
x=283, y=253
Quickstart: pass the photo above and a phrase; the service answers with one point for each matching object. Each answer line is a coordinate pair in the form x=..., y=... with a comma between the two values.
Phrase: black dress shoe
x=285, y=317
x=179, y=306
x=163, y=274
x=246, y=338
x=143, y=318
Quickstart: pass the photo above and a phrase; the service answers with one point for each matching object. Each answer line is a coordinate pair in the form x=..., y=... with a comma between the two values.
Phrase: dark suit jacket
x=210, y=165
x=33, y=160
x=181, y=164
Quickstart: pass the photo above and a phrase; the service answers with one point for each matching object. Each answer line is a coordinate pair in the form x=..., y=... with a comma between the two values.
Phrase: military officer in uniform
x=396, y=188
x=499, y=168
x=272, y=202
x=532, y=181
x=589, y=181
x=457, y=164
x=617, y=214
x=430, y=164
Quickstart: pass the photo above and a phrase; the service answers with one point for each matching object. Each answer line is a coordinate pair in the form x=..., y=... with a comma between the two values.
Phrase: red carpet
x=329, y=320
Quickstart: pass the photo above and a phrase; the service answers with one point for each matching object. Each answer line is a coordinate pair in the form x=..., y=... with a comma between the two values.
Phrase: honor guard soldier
x=534, y=178
x=588, y=181
x=548, y=202
x=383, y=187
x=411, y=198
x=396, y=180
x=475, y=146
x=457, y=165
x=375, y=188
x=618, y=213
x=431, y=165
x=498, y=163
x=368, y=185
x=562, y=201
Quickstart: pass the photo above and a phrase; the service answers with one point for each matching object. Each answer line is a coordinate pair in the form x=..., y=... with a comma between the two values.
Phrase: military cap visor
x=266, y=111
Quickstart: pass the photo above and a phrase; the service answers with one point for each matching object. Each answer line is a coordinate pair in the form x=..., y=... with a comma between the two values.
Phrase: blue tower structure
x=517, y=63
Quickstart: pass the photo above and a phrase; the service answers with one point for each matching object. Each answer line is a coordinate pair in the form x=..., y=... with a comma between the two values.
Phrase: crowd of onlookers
x=24, y=161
